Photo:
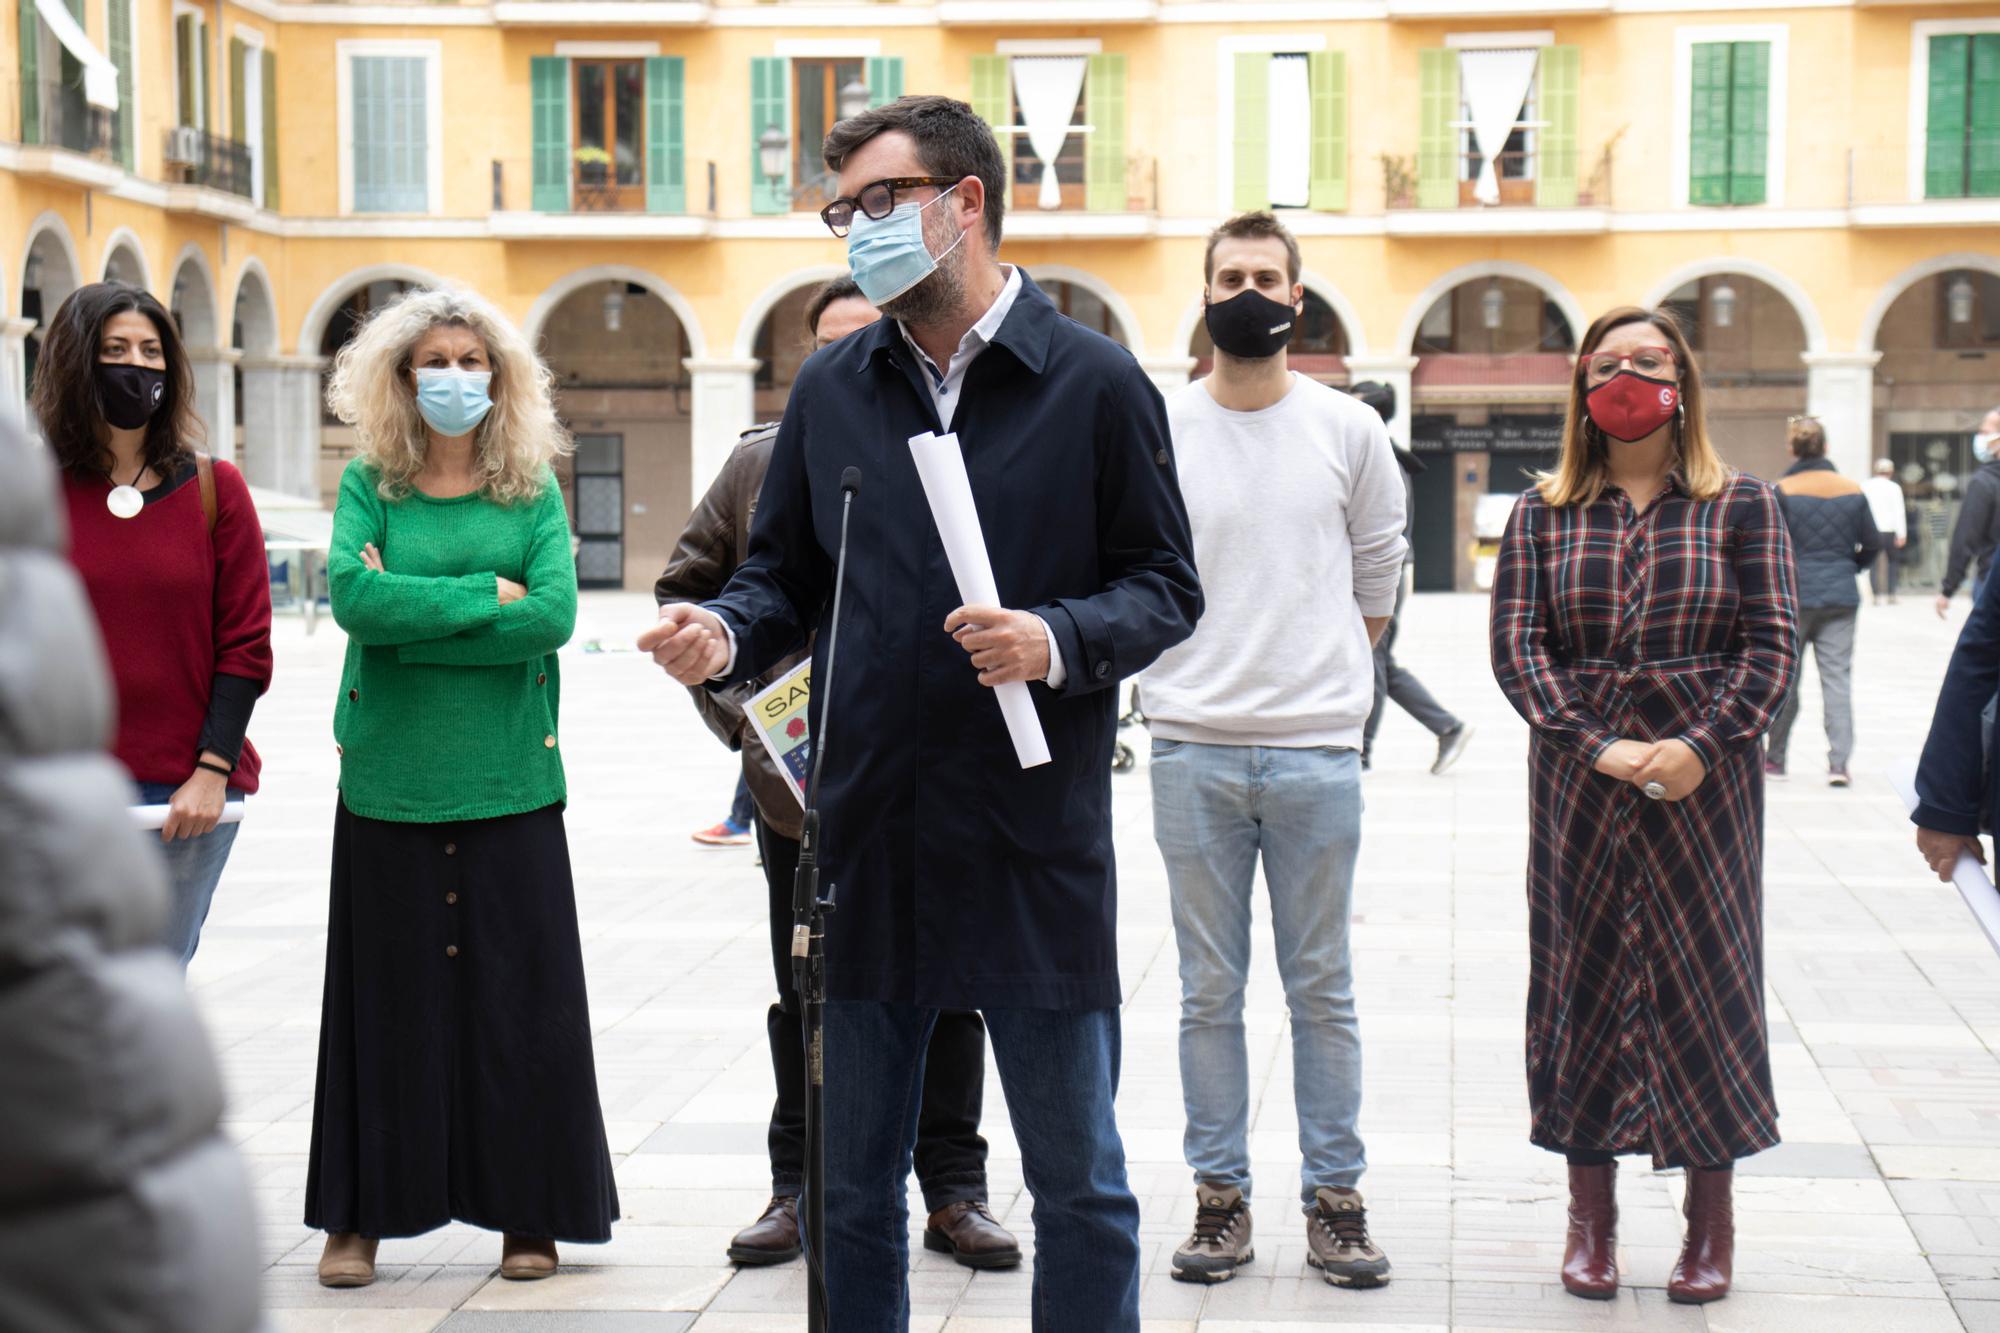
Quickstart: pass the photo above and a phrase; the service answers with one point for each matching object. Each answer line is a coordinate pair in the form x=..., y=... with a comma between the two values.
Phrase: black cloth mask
x=128, y=394
x=1250, y=326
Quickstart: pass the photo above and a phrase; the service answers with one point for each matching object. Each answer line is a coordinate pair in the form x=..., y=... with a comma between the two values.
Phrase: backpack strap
x=204, y=472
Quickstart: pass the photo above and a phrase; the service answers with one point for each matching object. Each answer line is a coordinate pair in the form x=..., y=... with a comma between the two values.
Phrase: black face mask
x=1250, y=326
x=129, y=394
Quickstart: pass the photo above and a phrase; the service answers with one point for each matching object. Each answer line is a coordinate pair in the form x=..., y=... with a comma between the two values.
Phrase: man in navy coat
x=964, y=880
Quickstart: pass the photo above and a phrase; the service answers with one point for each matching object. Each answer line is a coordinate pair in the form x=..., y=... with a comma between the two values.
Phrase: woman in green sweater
x=456, y=1080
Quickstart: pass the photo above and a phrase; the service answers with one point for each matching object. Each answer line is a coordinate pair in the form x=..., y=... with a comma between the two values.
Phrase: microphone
x=850, y=482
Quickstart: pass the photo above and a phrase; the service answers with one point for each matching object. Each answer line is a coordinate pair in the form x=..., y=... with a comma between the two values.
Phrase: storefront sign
x=1502, y=435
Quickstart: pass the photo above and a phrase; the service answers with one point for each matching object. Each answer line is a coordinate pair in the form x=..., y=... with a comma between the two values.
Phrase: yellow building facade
x=1815, y=185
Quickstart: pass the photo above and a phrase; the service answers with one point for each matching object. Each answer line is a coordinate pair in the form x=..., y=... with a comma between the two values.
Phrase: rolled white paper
x=1968, y=876
x=155, y=816
x=941, y=467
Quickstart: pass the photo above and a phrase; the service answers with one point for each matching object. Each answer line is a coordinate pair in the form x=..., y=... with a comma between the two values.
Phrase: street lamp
x=773, y=147
x=852, y=99
x=1492, y=306
x=614, y=307
x=1722, y=301
x=1958, y=300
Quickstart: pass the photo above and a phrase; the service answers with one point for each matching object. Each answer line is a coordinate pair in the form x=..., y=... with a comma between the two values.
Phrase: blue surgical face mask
x=1983, y=447
x=888, y=256
x=454, y=402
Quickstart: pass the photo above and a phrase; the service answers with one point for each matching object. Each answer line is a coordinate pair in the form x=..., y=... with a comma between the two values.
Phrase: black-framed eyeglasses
x=876, y=200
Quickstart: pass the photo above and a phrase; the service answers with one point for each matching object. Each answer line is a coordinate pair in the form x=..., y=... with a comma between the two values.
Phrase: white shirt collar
x=982, y=333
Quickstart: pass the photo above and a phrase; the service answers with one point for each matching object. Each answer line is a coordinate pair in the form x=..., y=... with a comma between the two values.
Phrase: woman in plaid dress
x=1644, y=623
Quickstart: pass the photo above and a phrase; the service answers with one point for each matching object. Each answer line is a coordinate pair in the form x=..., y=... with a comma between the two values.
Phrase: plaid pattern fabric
x=1646, y=1028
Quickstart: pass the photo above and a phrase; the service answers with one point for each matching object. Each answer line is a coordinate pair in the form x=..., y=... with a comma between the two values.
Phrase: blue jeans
x=193, y=867
x=1216, y=808
x=742, y=811
x=1060, y=1072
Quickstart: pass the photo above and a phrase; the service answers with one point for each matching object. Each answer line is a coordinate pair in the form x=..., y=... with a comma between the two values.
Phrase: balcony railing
x=1520, y=175
x=67, y=121
x=1965, y=169
x=592, y=189
x=201, y=158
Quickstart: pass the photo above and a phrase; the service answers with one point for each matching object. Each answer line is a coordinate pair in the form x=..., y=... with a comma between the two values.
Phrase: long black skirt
x=455, y=1072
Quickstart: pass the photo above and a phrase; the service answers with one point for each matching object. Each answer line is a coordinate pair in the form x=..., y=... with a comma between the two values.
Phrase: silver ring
x=1655, y=791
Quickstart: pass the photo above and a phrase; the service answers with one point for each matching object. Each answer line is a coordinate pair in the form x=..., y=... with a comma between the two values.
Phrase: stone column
x=1396, y=372
x=724, y=405
x=14, y=370
x=1167, y=372
x=294, y=450
x=263, y=395
x=1840, y=391
x=215, y=397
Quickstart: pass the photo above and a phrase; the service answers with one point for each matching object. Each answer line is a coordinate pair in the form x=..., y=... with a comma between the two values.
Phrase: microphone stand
x=809, y=912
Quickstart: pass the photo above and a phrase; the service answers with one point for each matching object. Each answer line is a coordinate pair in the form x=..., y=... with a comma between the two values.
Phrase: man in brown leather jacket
x=950, y=1156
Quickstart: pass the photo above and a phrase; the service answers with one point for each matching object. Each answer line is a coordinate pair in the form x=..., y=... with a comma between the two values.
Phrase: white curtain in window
x=1495, y=84
x=1289, y=169
x=1047, y=87
x=100, y=76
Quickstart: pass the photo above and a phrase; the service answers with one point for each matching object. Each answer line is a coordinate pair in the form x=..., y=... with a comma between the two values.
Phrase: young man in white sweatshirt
x=1297, y=506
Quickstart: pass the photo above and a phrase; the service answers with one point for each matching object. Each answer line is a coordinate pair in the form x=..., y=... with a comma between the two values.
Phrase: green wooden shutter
x=31, y=92
x=1983, y=122
x=391, y=134
x=993, y=100
x=770, y=104
x=1557, y=169
x=548, y=94
x=885, y=79
x=368, y=168
x=204, y=88
x=666, y=154
x=270, y=91
x=1250, y=168
x=121, y=55
x=1708, y=128
x=239, y=109
x=1437, y=141
x=1105, y=187
x=184, y=63
x=1944, y=126
x=1329, y=129
x=1749, y=120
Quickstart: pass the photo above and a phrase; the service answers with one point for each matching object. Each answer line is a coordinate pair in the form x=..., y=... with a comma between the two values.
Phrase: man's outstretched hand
x=689, y=643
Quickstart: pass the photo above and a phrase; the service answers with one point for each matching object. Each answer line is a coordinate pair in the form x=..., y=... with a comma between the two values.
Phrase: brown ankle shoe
x=772, y=1238
x=525, y=1258
x=1709, y=1255
x=1590, y=1257
x=968, y=1233
x=347, y=1261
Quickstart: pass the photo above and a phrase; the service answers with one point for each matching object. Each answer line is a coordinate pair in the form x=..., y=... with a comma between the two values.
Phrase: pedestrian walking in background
x=1890, y=507
x=1834, y=538
x=1296, y=504
x=1645, y=624
x=950, y=1154
x=456, y=1080
x=1393, y=682
x=171, y=553
x=1977, y=531
x=966, y=881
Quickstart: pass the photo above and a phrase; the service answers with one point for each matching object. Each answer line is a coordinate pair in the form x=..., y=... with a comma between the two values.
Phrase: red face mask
x=1629, y=407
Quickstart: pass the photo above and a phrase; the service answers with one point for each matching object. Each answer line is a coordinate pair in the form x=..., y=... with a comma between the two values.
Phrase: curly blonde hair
x=371, y=391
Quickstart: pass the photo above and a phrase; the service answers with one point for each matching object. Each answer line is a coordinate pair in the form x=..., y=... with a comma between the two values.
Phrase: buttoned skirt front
x=456, y=1077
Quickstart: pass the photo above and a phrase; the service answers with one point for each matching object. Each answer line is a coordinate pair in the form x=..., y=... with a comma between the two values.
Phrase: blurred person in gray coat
x=122, y=1206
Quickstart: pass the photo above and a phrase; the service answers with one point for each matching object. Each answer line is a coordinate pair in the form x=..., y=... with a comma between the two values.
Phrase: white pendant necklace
x=125, y=501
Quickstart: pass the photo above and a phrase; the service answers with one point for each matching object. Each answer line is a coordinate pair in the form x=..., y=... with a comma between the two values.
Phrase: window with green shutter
x=187, y=39
x=121, y=55
x=666, y=157
x=1249, y=170
x=1962, y=121
x=239, y=108
x=885, y=79
x=549, y=173
x=268, y=87
x=1729, y=122
x=993, y=101
x=1437, y=141
x=1557, y=166
x=31, y=49
x=391, y=146
x=1105, y=187
x=770, y=108
x=1329, y=130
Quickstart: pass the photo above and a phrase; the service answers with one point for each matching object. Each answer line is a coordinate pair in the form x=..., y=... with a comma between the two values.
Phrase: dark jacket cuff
x=230, y=701
x=1085, y=645
x=1930, y=816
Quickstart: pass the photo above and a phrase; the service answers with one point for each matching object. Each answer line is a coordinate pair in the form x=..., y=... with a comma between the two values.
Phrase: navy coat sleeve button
x=1103, y=670
x=1161, y=458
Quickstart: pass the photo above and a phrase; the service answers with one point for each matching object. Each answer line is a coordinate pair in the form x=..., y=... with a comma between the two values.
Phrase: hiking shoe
x=1221, y=1239
x=1837, y=777
x=1337, y=1241
x=724, y=834
x=1774, y=771
x=1451, y=746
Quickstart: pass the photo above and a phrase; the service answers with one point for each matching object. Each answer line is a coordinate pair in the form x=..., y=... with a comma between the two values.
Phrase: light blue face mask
x=454, y=402
x=888, y=256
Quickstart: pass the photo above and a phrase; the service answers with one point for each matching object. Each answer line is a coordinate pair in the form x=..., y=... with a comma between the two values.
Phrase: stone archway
x=125, y=260
x=194, y=304
x=1750, y=339
x=255, y=346
x=50, y=271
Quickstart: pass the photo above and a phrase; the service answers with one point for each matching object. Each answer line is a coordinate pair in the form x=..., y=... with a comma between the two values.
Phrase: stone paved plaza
x=1881, y=1211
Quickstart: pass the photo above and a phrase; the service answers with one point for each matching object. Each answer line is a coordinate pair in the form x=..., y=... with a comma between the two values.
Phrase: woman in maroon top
x=1644, y=623
x=170, y=551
